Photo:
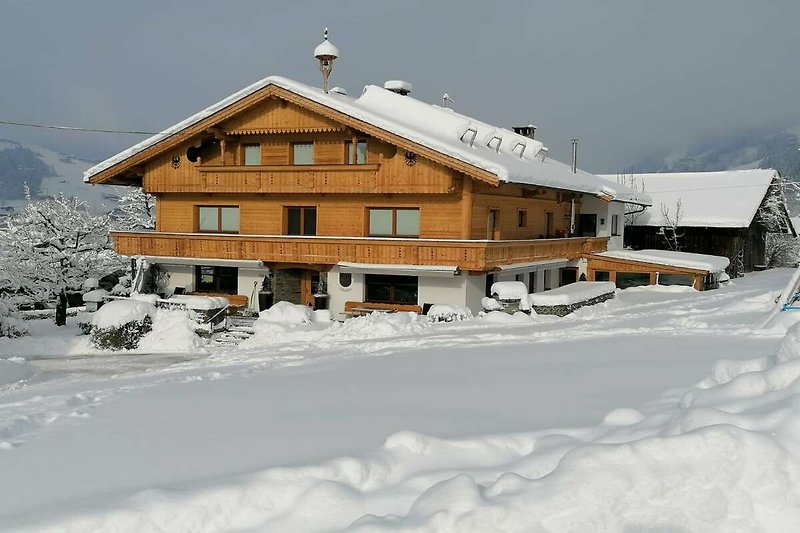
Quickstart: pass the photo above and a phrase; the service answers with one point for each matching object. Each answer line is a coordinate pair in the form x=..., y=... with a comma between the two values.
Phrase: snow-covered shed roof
x=726, y=199
x=499, y=151
x=709, y=263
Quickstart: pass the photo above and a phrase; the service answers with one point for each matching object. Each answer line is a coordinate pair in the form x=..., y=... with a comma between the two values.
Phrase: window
x=614, y=224
x=303, y=154
x=345, y=279
x=218, y=219
x=547, y=276
x=301, y=221
x=252, y=154
x=356, y=152
x=632, y=279
x=601, y=275
x=393, y=222
x=216, y=279
x=569, y=275
x=489, y=283
x=519, y=277
x=548, y=224
x=522, y=218
x=391, y=289
x=532, y=282
x=587, y=225
x=676, y=279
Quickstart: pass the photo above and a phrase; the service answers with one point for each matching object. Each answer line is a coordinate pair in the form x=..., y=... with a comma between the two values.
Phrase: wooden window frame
x=302, y=209
x=348, y=144
x=394, y=234
x=219, y=209
x=313, y=154
x=522, y=218
x=243, y=158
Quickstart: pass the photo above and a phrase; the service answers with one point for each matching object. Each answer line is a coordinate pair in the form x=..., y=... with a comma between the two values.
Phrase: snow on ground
x=395, y=423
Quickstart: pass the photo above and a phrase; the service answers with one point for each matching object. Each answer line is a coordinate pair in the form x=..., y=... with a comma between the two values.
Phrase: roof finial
x=325, y=53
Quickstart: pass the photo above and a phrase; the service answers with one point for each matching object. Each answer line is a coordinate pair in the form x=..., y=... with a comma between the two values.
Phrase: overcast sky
x=628, y=78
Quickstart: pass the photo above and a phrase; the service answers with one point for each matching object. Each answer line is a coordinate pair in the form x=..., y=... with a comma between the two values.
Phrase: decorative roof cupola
x=326, y=54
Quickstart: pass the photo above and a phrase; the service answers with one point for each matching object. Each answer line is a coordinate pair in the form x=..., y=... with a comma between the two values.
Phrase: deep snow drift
x=209, y=444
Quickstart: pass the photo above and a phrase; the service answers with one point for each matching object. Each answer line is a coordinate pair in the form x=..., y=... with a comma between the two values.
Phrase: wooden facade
x=745, y=247
x=244, y=157
x=612, y=267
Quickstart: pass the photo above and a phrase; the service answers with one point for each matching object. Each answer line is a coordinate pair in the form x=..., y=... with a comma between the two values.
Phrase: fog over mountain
x=627, y=78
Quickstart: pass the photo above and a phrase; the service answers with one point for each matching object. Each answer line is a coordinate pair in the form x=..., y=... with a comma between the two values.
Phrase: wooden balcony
x=466, y=254
x=288, y=179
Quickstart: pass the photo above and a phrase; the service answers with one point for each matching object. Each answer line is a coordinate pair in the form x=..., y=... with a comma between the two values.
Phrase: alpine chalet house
x=379, y=201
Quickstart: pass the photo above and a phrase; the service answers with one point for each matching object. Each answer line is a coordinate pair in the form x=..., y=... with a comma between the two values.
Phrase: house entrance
x=296, y=285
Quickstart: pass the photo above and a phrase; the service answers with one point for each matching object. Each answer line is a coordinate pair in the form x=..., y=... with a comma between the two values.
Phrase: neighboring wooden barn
x=726, y=213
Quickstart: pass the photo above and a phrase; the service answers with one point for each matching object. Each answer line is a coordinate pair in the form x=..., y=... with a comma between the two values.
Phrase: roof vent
x=525, y=131
x=339, y=90
x=398, y=86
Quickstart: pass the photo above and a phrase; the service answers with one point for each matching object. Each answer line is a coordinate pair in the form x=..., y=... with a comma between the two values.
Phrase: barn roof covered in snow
x=480, y=150
x=725, y=199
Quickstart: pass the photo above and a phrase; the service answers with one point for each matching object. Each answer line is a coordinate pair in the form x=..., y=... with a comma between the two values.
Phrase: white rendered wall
x=179, y=276
x=443, y=290
x=604, y=211
x=248, y=277
x=616, y=241
x=338, y=295
x=474, y=291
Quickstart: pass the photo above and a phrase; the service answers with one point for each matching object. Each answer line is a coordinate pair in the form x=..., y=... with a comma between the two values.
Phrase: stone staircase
x=237, y=329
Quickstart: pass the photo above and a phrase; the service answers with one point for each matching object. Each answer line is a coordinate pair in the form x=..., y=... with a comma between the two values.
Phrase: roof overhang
x=191, y=261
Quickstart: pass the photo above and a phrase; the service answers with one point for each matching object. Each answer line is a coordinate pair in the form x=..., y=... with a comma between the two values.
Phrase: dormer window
x=252, y=154
x=519, y=149
x=494, y=143
x=303, y=154
x=469, y=136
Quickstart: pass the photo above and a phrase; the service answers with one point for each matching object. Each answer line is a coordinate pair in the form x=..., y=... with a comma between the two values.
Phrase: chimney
x=398, y=86
x=574, y=156
x=526, y=131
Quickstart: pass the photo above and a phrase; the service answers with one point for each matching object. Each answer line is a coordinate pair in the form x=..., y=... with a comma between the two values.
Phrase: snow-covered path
x=87, y=432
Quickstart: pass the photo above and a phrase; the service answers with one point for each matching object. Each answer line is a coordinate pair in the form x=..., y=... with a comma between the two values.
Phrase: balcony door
x=492, y=226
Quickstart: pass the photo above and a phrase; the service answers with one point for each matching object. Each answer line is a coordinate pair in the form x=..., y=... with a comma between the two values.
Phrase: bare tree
x=670, y=229
x=632, y=211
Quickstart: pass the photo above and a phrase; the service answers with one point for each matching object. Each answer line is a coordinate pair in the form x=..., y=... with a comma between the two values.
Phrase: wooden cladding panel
x=469, y=255
x=336, y=214
x=508, y=208
x=329, y=153
x=274, y=114
x=274, y=153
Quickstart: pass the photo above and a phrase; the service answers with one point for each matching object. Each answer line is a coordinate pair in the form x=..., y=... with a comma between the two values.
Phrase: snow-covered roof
x=709, y=263
x=726, y=199
x=499, y=151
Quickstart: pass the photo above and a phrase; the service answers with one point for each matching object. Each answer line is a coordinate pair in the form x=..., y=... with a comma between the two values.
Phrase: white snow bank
x=149, y=298
x=14, y=370
x=449, y=312
x=119, y=312
x=173, y=331
x=200, y=303
x=490, y=304
x=573, y=293
x=97, y=295
x=286, y=313
x=501, y=317
x=709, y=263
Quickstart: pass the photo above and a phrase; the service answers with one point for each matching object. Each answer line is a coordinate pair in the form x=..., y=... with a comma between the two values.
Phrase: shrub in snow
x=287, y=313
x=119, y=325
x=90, y=284
x=448, y=313
x=173, y=331
x=490, y=304
x=11, y=323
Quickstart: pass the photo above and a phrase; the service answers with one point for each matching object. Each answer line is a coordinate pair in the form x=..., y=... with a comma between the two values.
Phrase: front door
x=308, y=283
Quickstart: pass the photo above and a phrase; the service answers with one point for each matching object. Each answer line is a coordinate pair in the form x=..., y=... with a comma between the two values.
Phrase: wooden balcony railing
x=295, y=179
x=466, y=254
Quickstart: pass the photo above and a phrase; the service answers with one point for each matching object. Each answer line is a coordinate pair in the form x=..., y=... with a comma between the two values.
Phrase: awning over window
x=240, y=263
x=517, y=268
x=399, y=270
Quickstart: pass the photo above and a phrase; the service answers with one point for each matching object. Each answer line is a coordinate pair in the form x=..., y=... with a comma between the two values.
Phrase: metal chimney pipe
x=574, y=156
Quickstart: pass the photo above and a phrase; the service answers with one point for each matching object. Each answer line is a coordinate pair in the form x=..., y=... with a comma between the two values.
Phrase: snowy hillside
x=664, y=409
x=47, y=172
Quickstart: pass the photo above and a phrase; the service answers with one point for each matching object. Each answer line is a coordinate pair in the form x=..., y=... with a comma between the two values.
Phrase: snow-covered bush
x=490, y=304
x=448, y=313
x=287, y=313
x=512, y=296
x=119, y=325
x=11, y=323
